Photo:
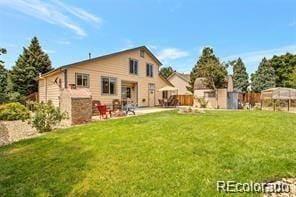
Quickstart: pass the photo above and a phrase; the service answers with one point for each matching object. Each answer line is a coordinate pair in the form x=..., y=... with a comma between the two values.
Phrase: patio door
x=151, y=94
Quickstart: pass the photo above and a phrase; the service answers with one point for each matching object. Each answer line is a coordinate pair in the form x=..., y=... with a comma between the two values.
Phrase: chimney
x=89, y=55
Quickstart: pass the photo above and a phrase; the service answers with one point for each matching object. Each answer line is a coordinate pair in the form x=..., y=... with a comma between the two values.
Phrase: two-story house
x=130, y=74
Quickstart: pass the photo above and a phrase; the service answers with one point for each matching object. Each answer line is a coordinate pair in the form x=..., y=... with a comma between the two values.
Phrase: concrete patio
x=138, y=111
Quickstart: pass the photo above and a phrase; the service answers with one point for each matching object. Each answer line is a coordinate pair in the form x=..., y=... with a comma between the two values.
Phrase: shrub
x=202, y=102
x=14, y=111
x=47, y=116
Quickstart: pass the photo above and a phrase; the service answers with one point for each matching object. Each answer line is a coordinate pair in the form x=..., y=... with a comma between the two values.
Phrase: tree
x=208, y=66
x=293, y=78
x=240, y=75
x=3, y=78
x=166, y=71
x=264, y=77
x=30, y=63
x=283, y=66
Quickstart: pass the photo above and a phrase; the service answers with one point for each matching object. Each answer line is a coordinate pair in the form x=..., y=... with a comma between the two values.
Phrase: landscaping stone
x=11, y=131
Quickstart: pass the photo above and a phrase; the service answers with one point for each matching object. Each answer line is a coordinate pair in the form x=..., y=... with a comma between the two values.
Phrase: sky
x=174, y=30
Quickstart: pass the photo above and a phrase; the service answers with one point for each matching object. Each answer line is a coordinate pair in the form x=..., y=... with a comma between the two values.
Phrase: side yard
x=163, y=153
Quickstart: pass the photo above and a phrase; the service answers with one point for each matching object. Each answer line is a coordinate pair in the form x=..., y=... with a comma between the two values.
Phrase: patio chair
x=116, y=104
x=129, y=107
x=173, y=101
x=161, y=102
x=104, y=111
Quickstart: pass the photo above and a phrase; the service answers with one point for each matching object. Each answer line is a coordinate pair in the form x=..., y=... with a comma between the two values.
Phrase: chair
x=104, y=111
x=129, y=107
x=161, y=102
x=173, y=101
x=116, y=104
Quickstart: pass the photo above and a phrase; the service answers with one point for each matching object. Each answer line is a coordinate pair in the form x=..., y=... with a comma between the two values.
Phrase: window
x=210, y=94
x=149, y=70
x=165, y=94
x=82, y=80
x=109, y=85
x=151, y=86
x=133, y=66
x=142, y=53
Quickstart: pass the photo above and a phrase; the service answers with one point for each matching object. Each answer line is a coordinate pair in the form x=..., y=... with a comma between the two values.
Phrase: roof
x=185, y=77
x=279, y=93
x=102, y=57
x=199, y=83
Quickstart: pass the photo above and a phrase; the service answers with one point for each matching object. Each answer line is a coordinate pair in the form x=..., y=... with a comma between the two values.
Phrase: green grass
x=153, y=155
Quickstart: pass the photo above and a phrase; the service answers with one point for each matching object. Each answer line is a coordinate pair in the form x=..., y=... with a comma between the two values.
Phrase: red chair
x=104, y=111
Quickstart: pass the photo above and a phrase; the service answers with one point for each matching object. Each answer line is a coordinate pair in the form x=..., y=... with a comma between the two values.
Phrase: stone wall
x=4, y=136
x=81, y=111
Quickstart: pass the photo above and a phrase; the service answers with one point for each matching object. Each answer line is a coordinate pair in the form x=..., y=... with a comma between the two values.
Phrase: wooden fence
x=250, y=97
x=185, y=100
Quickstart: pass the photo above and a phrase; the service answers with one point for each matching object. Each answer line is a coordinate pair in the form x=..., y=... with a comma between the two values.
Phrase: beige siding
x=41, y=90
x=113, y=66
x=181, y=84
x=51, y=91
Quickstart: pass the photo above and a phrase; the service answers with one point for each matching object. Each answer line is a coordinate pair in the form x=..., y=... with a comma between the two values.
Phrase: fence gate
x=232, y=100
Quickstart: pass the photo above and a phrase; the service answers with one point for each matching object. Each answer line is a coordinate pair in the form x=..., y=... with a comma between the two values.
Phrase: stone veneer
x=81, y=110
x=78, y=104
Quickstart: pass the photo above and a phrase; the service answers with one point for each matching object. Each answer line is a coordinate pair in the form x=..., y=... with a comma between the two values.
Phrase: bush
x=46, y=117
x=14, y=111
x=202, y=102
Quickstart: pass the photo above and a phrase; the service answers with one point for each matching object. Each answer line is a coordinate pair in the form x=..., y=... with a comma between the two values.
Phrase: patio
x=138, y=111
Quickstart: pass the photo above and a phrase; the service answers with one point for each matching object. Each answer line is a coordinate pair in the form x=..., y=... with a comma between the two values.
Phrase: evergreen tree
x=27, y=68
x=3, y=78
x=264, y=77
x=292, y=79
x=166, y=71
x=283, y=66
x=208, y=66
x=240, y=75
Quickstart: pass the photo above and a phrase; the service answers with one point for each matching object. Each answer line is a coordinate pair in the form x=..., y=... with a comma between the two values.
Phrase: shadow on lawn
x=30, y=168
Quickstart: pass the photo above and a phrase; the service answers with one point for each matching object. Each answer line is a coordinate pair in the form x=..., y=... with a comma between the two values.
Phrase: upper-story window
x=82, y=80
x=133, y=66
x=142, y=53
x=108, y=85
x=149, y=70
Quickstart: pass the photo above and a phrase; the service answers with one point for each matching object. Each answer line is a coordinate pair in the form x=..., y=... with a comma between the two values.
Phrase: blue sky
x=175, y=31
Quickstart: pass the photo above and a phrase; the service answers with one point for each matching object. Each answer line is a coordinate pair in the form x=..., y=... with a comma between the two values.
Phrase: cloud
x=48, y=51
x=256, y=56
x=64, y=42
x=292, y=24
x=171, y=54
x=54, y=12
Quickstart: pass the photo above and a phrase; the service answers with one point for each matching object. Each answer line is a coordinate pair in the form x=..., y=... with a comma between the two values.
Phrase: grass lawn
x=153, y=155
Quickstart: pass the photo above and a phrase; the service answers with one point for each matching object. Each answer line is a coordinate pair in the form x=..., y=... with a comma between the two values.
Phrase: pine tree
x=240, y=75
x=208, y=66
x=30, y=63
x=166, y=71
x=264, y=77
x=3, y=78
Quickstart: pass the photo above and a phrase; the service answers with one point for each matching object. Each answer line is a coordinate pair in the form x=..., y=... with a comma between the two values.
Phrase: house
x=226, y=98
x=131, y=74
x=180, y=81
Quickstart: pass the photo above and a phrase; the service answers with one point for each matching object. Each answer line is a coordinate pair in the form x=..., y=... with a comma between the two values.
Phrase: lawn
x=152, y=155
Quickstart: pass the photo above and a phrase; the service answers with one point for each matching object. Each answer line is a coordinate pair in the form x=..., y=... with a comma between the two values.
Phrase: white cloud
x=65, y=42
x=48, y=51
x=53, y=12
x=256, y=56
x=171, y=54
